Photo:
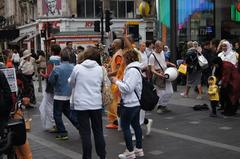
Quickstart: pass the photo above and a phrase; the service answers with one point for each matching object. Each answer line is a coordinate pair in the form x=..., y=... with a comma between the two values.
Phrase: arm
x=130, y=81
x=212, y=90
x=53, y=77
x=170, y=64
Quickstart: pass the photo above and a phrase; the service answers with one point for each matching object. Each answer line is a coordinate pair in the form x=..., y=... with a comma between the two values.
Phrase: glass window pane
x=89, y=9
x=121, y=9
x=130, y=9
x=98, y=4
x=81, y=8
x=113, y=6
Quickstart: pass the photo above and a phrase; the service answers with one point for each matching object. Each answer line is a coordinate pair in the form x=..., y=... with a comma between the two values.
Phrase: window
x=114, y=9
x=122, y=8
x=81, y=8
x=89, y=8
x=130, y=9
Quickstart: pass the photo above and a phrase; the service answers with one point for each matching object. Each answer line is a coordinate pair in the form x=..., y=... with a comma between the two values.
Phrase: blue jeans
x=130, y=116
x=95, y=117
x=60, y=107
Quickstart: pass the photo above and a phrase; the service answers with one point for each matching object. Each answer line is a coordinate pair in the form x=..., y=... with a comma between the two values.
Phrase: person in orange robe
x=118, y=73
x=115, y=64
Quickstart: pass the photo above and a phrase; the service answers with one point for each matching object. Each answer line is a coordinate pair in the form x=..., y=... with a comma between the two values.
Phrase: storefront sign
x=89, y=24
x=10, y=74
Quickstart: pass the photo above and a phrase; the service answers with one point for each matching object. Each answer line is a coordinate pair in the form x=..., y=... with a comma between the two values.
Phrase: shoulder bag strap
x=142, y=77
x=157, y=61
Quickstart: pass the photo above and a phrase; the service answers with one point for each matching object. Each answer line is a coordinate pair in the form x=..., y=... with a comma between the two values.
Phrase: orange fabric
x=24, y=151
x=9, y=63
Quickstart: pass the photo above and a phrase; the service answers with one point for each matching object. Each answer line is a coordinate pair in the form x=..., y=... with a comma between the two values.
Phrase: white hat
x=26, y=53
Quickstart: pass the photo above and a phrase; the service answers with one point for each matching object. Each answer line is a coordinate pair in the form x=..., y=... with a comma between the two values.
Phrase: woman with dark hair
x=86, y=81
x=130, y=88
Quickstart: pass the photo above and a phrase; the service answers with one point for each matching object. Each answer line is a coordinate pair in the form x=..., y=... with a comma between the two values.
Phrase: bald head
x=117, y=44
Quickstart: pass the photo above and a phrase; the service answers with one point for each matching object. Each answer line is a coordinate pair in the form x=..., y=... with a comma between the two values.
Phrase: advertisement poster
x=10, y=74
x=52, y=8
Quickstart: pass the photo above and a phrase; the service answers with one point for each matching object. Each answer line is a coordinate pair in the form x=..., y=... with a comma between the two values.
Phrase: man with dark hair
x=72, y=55
x=62, y=92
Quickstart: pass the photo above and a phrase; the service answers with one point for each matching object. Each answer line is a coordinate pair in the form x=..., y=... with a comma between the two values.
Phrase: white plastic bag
x=202, y=61
x=46, y=111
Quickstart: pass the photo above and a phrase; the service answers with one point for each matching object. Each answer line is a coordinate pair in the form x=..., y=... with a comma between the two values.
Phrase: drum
x=171, y=73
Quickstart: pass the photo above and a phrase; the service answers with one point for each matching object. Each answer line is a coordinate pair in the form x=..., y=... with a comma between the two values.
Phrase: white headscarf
x=228, y=55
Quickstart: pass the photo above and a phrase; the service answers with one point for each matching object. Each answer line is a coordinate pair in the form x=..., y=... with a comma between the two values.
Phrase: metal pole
x=102, y=33
x=173, y=44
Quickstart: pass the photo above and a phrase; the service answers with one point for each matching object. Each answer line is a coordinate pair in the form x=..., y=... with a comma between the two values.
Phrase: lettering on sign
x=89, y=24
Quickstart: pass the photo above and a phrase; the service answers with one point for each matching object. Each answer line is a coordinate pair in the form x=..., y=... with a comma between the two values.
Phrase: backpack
x=192, y=61
x=149, y=97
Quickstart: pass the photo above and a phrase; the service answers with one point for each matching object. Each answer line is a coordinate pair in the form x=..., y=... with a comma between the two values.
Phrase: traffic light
x=97, y=26
x=43, y=33
x=108, y=18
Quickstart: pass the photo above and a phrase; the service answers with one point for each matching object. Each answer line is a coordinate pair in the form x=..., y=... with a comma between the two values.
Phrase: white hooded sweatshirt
x=86, y=81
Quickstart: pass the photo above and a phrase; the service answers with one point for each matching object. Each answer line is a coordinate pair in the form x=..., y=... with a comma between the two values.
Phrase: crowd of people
x=75, y=79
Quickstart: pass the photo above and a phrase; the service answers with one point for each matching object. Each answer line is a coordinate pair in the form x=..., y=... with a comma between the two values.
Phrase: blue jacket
x=59, y=79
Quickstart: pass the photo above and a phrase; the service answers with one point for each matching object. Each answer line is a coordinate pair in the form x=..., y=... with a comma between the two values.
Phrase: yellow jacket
x=213, y=90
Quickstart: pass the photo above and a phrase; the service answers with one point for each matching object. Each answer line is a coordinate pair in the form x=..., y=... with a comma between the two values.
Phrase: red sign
x=89, y=24
x=238, y=6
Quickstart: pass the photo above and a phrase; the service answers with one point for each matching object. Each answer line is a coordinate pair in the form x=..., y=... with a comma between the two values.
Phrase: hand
x=113, y=79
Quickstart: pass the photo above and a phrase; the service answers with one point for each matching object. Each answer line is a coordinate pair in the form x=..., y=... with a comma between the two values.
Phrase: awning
x=15, y=41
x=31, y=36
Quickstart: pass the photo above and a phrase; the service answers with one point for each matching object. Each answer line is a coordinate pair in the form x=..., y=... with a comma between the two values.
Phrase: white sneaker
x=183, y=95
x=127, y=155
x=138, y=152
x=149, y=126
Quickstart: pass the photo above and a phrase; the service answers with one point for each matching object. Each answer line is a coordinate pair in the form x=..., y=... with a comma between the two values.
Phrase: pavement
x=180, y=134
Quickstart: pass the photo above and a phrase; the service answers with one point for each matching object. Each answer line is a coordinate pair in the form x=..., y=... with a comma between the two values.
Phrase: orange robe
x=112, y=108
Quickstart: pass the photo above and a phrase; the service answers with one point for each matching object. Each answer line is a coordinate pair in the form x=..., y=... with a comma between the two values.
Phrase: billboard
x=52, y=8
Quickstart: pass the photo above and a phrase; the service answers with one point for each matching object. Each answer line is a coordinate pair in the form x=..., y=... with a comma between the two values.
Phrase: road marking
x=225, y=128
x=169, y=118
x=60, y=149
x=194, y=122
x=199, y=140
x=156, y=152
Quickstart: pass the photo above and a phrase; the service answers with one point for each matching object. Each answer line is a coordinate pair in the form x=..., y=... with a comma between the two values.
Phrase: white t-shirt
x=161, y=59
x=16, y=58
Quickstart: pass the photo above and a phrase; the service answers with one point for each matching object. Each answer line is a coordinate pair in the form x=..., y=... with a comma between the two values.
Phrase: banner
x=10, y=74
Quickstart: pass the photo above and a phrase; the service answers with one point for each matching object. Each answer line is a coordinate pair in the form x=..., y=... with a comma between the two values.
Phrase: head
x=236, y=45
x=130, y=56
x=225, y=46
x=212, y=80
x=80, y=49
x=195, y=44
x=65, y=55
x=142, y=47
x=158, y=46
x=40, y=52
x=55, y=49
x=27, y=55
x=214, y=44
x=189, y=44
x=149, y=44
x=69, y=44
x=165, y=48
x=91, y=53
x=219, y=48
x=52, y=5
x=206, y=45
x=117, y=44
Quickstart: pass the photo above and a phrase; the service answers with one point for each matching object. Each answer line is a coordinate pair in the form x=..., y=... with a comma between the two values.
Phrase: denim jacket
x=59, y=79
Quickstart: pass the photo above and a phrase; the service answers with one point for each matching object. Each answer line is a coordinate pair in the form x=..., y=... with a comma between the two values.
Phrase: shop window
x=98, y=4
x=114, y=9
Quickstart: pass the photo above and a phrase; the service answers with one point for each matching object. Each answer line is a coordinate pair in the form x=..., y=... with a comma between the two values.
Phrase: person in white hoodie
x=130, y=88
x=86, y=81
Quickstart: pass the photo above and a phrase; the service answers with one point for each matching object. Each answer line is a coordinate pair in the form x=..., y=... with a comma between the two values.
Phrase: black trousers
x=214, y=105
x=84, y=119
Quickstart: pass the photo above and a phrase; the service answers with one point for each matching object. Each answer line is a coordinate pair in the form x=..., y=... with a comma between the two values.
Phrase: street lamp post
x=173, y=44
